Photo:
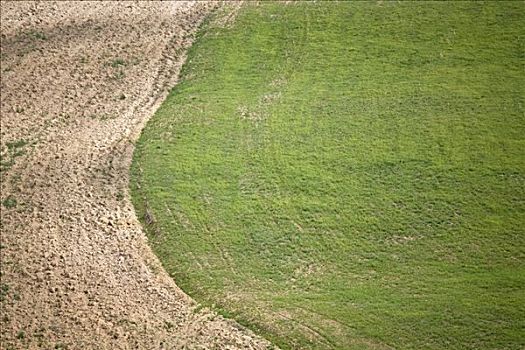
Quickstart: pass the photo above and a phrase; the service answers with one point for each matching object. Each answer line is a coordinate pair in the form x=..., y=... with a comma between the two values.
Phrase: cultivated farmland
x=78, y=81
x=348, y=175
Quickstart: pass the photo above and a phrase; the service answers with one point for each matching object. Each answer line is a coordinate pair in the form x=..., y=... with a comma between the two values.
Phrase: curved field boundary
x=79, y=80
x=348, y=175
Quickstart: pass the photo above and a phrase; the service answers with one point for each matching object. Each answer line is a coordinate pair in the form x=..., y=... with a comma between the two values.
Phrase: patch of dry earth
x=78, y=82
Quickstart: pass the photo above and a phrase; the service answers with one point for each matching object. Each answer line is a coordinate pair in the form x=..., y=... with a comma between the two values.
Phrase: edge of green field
x=347, y=175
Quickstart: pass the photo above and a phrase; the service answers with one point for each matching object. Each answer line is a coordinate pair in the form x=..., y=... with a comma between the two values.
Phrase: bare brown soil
x=78, y=82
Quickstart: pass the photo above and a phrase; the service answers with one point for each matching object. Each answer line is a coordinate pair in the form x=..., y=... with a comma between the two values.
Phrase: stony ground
x=78, y=82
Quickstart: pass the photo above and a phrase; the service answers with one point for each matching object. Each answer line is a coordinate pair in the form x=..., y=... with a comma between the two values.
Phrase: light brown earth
x=78, y=82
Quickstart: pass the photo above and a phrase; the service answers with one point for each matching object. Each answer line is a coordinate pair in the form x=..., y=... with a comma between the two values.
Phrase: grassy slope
x=349, y=175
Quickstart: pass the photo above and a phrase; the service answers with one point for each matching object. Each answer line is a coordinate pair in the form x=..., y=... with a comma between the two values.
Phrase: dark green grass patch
x=348, y=175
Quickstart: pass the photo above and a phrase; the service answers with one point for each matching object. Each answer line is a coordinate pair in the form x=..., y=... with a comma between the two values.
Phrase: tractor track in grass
x=78, y=82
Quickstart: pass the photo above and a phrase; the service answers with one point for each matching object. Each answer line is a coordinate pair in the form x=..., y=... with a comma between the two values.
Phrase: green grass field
x=348, y=175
